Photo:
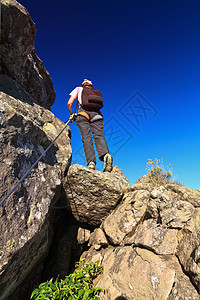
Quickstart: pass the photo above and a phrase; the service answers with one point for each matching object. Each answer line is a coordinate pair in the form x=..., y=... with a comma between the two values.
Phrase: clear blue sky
x=144, y=57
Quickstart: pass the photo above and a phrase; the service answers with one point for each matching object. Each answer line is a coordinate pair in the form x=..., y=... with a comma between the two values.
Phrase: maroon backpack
x=92, y=99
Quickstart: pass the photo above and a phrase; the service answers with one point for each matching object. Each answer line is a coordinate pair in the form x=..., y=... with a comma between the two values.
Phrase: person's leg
x=100, y=142
x=101, y=145
x=84, y=127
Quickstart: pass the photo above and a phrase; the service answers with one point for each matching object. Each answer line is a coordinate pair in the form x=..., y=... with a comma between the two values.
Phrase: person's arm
x=71, y=100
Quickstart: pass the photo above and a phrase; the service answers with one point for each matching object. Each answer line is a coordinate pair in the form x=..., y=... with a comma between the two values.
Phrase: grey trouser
x=96, y=127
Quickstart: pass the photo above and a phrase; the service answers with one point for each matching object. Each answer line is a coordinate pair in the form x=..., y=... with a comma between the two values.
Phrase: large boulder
x=26, y=216
x=125, y=218
x=18, y=58
x=91, y=195
x=159, y=239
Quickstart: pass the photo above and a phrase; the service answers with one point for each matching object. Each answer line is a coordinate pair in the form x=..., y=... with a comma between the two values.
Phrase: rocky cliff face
x=26, y=217
x=151, y=243
x=27, y=127
x=147, y=235
x=18, y=59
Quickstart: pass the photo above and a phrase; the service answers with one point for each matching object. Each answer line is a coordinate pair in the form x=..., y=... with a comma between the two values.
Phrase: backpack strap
x=81, y=112
x=76, y=107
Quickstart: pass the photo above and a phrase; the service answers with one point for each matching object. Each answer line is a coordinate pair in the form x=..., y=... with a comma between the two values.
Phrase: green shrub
x=75, y=286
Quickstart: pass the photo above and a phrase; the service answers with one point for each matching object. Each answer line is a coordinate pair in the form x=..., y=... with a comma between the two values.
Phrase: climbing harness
x=72, y=118
x=84, y=114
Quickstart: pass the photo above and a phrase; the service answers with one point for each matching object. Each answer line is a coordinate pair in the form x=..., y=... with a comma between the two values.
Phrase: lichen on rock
x=26, y=215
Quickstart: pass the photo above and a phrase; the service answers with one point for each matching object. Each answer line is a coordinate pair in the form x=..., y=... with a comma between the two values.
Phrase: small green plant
x=75, y=286
x=158, y=174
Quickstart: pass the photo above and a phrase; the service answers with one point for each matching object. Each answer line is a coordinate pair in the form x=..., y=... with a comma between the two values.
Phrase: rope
x=29, y=170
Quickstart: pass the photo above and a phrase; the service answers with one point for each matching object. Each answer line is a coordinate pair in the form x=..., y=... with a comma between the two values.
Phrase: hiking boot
x=108, y=161
x=91, y=165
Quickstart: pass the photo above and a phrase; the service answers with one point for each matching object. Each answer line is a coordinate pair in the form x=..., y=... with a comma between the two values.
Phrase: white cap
x=88, y=81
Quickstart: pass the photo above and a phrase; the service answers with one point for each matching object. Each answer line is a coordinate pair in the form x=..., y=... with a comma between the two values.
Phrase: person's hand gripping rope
x=72, y=117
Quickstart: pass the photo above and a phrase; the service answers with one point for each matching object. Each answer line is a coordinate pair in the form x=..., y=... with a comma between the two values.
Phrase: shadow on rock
x=10, y=87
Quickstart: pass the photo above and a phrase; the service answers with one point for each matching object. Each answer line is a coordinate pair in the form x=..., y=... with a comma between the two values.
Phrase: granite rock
x=18, y=59
x=90, y=194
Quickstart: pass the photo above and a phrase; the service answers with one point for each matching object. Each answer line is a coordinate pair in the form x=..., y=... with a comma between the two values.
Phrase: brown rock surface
x=135, y=273
x=157, y=228
x=187, y=194
x=154, y=236
x=98, y=238
x=18, y=59
x=83, y=235
x=125, y=218
x=174, y=211
x=188, y=250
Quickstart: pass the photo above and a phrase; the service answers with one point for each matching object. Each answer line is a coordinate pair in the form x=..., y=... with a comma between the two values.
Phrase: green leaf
x=86, y=295
x=80, y=293
x=34, y=293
